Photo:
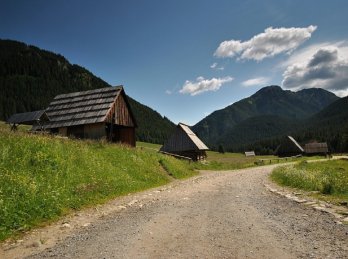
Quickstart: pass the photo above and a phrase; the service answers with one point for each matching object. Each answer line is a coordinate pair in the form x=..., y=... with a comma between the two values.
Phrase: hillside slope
x=329, y=125
x=271, y=100
x=31, y=77
x=43, y=177
x=254, y=129
x=153, y=128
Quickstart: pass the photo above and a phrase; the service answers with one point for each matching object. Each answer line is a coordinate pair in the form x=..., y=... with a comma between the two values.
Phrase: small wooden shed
x=316, y=148
x=35, y=118
x=289, y=147
x=93, y=114
x=184, y=142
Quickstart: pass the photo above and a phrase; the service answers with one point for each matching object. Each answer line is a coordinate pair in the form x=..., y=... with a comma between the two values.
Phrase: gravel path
x=214, y=215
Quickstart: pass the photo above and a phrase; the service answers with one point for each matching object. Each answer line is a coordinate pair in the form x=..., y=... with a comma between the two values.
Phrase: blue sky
x=187, y=58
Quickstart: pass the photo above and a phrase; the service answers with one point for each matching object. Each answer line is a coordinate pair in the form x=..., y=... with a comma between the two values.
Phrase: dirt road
x=214, y=215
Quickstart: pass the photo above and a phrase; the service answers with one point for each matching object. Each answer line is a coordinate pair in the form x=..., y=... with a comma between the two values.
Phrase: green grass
x=231, y=161
x=148, y=146
x=228, y=161
x=42, y=177
x=20, y=128
x=215, y=160
x=177, y=168
x=329, y=178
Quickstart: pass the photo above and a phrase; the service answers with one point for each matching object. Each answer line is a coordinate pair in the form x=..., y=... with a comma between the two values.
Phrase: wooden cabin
x=289, y=147
x=184, y=142
x=35, y=118
x=93, y=114
x=316, y=148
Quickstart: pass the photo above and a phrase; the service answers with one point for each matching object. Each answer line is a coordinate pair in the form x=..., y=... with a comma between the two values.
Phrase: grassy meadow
x=229, y=161
x=44, y=177
x=328, y=178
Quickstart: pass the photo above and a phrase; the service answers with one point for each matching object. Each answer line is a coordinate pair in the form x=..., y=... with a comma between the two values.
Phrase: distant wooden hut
x=316, y=148
x=289, y=147
x=184, y=142
x=35, y=118
x=93, y=114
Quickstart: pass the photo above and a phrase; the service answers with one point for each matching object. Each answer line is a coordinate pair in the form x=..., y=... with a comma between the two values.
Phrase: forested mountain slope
x=272, y=100
x=329, y=125
x=31, y=77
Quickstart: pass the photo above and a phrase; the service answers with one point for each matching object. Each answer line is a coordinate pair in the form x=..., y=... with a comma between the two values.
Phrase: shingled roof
x=198, y=143
x=80, y=108
x=289, y=147
x=296, y=143
x=27, y=118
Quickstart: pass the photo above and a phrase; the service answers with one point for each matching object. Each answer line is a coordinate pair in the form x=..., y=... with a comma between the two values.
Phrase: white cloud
x=256, y=81
x=271, y=42
x=342, y=93
x=216, y=67
x=213, y=65
x=303, y=55
x=203, y=85
x=326, y=68
x=169, y=92
x=230, y=48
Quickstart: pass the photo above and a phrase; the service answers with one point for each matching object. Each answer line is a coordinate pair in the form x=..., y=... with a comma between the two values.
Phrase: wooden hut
x=316, y=148
x=36, y=118
x=289, y=147
x=184, y=142
x=93, y=114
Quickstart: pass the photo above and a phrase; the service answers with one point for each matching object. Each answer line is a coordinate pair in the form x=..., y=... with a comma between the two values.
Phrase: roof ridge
x=88, y=92
x=184, y=124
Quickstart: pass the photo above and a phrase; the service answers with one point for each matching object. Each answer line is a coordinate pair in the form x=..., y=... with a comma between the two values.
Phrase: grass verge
x=232, y=161
x=328, y=178
x=42, y=178
x=229, y=161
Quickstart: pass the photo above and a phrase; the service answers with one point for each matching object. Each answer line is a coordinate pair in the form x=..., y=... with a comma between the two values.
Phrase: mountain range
x=259, y=121
x=31, y=77
x=269, y=104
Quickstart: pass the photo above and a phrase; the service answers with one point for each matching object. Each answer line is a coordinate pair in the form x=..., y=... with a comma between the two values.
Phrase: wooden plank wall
x=125, y=135
x=95, y=131
x=179, y=141
x=63, y=131
x=122, y=114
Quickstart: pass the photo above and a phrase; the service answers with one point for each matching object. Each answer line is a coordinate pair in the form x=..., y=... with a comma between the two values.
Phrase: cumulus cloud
x=169, y=92
x=271, y=42
x=203, y=85
x=327, y=68
x=255, y=81
x=304, y=54
x=230, y=48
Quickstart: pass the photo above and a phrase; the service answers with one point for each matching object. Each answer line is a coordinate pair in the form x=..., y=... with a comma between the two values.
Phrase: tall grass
x=42, y=178
x=327, y=177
